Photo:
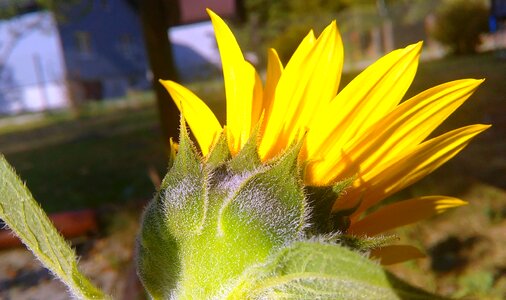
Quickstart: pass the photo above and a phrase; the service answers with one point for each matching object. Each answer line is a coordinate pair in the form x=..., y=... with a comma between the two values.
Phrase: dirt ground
x=106, y=258
x=464, y=247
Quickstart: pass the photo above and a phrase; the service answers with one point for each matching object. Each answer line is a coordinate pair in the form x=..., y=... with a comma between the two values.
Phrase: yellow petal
x=270, y=143
x=395, y=254
x=299, y=56
x=257, y=105
x=304, y=86
x=367, y=99
x=242, y=86
x=274, y=70
x=403, y=213
x=200, y=118
x=391, y=177
x=409, y=124
x=401, y=130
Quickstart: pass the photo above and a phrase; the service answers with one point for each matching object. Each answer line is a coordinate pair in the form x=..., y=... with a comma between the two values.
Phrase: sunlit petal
x=302, y=50
x=301, y=91
x=400, y=131
x=409, y=124
x=386, y=179
x=242, y=86
x=367, y=99
x=274, y=70
x=200, y=118
x=402, y=213
x=257, y=106
x=395, y=254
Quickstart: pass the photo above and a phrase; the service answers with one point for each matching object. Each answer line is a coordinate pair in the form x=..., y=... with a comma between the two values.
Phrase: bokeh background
x=85, y=123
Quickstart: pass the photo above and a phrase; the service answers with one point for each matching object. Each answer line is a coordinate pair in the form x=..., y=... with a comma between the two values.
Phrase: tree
x=284, y=23
x=460, y=23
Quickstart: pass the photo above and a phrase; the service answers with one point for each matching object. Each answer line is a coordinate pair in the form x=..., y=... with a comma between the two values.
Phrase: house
x=103, y=48
x=193, y=44
x=95, y=50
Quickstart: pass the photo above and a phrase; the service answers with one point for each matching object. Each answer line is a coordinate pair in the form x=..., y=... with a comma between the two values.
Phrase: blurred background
x=85, y=123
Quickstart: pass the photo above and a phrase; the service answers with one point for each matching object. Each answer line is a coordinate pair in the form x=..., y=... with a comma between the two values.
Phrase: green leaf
x=317, y=270
x=25, y=217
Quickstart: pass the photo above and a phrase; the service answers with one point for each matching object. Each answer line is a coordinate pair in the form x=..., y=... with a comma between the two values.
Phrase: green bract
x=218, y=218
x=234, y=228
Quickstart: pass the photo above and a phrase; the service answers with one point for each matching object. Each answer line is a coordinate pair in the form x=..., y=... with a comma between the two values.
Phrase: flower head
x=363, y=132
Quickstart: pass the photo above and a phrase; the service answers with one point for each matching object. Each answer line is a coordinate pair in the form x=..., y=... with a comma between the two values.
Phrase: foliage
x=25, y=217
x=284, y=23
x=460, y=23
x=11, y=8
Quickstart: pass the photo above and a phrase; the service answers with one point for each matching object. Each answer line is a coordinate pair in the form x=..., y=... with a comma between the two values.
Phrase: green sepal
x=340, y=187
x=232, y=228
x=217, y=219
x=319, y=270
x=28, y=221
x=273, y=199
x=359, y=243
x=174, y=214
x=247, y=159
x=322, y=199
x=219, y=152
x=156, y=252
x=182, y=191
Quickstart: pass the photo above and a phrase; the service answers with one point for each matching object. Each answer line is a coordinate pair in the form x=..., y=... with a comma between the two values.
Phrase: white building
x=32, y=70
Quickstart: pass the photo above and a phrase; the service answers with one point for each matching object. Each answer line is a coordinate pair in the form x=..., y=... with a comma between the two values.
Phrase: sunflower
x=363, y=133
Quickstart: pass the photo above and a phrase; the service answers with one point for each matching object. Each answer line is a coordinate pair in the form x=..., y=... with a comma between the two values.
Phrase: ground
x=106, y=257
x=107, y=156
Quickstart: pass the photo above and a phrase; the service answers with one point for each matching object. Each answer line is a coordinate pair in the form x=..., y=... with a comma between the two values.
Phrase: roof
x=195, y=10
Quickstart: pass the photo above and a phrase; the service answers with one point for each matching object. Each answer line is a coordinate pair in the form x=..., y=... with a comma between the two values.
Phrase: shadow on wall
x=10, y=96
x=192, y=66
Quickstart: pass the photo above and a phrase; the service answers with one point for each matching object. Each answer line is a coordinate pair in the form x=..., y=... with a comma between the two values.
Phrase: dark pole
x=156, y=17
x=240, y=9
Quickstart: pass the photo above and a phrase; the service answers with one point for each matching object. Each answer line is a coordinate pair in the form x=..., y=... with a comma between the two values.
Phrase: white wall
x=33, y=78
x=195, y=51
